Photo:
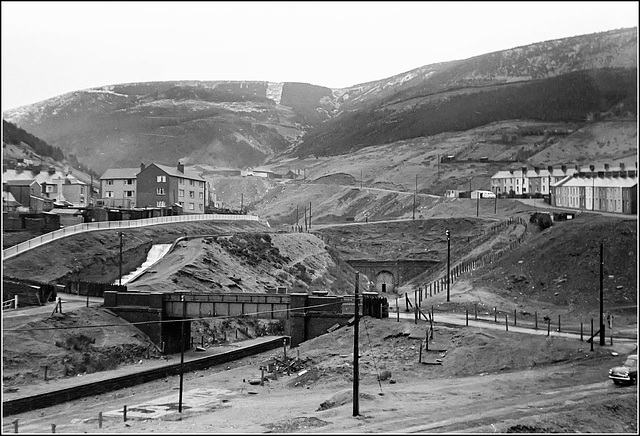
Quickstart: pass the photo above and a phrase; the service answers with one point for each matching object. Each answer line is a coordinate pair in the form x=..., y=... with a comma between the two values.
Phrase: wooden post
x=46, y=368
x=495, y=314
x=356, y=352
x=506, y=322
x=53, y=428
x=284, y=344
x=611, y=331
x=475, y=308
x=558, y=322
x=124, y=413
x=87, y=298
x=397, y=310
x=591, y=334
x=467, y=316
x=15, y=426
x=515, y=315
x=262, y=376
x=420, y=355
x=100, y=420
x=581, y=338
x=406, y=302
x=549, y=327
x=536, y=325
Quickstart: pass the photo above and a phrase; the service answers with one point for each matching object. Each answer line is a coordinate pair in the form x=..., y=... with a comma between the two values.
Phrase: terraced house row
x=154, y=186
x=603, y=189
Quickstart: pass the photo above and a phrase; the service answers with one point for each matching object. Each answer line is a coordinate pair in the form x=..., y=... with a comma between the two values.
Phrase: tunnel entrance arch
x=385, y=282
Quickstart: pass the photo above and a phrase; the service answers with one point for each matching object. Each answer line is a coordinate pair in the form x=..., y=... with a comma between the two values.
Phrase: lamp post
x=448, y=262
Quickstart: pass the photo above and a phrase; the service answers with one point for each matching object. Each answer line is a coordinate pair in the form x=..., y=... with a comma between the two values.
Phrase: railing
x=7, y=304
x=110, y=225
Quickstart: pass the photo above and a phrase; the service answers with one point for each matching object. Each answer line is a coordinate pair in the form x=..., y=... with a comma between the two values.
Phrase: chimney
x=52, y=170
x=142, y=167
x=180, y=167
x=550, y=168
x=606, y=167
x=537, y=170
x=564, y=168
x=621, y=166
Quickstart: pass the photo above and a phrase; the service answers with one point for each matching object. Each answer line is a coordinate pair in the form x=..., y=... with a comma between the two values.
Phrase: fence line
x=111, y=225
x=440, y=284
x=12, y=302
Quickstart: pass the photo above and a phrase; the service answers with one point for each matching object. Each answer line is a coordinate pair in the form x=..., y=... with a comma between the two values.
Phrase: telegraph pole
x=601, y=295
x=356, y=405
x=184, y=316
x=297, y=220
x=414, y=198
x=309, y=215
x=120, y=264
x=448, y=262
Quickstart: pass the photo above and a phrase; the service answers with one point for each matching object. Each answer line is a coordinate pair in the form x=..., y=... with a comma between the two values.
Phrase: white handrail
x=7, y=304
x=109, y=225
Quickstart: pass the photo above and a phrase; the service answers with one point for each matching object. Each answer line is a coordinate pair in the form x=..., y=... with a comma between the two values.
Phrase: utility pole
x=241, y=202
x=601, y=294
x=448, y=262
x=306, y=228
x=184, y=316
x=297, y=220
x=309, y=215
x=478, y=204
x=414, y=198
x=356, y=405
x=120, y=263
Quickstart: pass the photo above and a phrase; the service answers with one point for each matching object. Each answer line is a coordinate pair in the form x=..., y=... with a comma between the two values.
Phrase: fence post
x=495, y=313
x=124, y=413
x=591, y=334
x=536, y=325
x=397, y=310
x=506, y=322
x=15, y=426
x=549, y=327
x=515, y=314
x=467, y=313
x=475, y=309
x=581, y=331
x=53, y=428
x=15, y=303
x=100, y=420
x=558, y=322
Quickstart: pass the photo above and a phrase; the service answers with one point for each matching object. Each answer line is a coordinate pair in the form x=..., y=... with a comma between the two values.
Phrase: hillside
x=242, y=124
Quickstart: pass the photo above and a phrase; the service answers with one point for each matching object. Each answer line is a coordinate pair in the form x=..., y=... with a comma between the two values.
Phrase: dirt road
x=574, y=396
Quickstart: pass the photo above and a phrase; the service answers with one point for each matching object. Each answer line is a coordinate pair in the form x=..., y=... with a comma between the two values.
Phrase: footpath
x=47, y=393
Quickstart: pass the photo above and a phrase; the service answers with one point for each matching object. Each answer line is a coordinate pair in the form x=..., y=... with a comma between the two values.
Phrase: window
x=192, y=194
x=180, y=192
x=81, y=189
x=161, y=179
x=201, y=184
x=200, y=206
x=181, y=181
x=190, y=182
x=160, y=203
x=201, y=196
x=128, y=182
x=129, y=193
x=191, y=207
x=109, y=182
x=108, y=194
x=160, y=191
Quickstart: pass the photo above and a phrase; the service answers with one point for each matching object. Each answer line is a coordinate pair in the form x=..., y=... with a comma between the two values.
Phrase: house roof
x=26, y=182
x=42, y=177
x=120, y=173
x=173, y=171
x=599, y=182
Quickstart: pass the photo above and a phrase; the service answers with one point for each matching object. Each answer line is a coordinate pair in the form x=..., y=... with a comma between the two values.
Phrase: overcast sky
x=50, y=48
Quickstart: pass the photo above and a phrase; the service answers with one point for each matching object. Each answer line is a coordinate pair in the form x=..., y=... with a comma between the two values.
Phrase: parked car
x=627, y=373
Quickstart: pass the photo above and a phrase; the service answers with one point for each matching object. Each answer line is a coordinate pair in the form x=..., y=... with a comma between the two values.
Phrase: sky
x=51, y=48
